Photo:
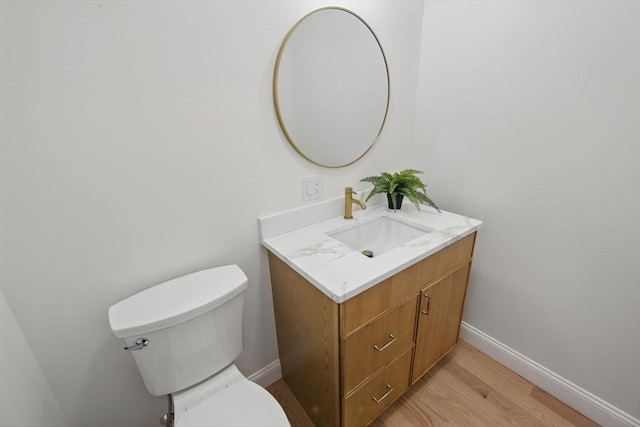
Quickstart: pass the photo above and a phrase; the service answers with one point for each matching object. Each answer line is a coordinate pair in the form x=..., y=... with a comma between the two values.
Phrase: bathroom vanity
x=354, y=333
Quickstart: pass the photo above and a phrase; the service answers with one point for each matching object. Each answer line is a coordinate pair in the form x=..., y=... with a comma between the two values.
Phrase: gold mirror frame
x=276, y=96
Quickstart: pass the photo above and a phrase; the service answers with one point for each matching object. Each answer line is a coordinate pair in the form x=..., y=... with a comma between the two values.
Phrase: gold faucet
x=349, y=201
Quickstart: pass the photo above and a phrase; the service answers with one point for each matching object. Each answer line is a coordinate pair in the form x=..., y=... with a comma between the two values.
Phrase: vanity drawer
x=378, y=342
x=360, y=309
x=364, y=404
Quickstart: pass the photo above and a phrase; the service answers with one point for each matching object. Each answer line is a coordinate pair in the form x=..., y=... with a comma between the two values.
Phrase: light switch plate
x=311, y=188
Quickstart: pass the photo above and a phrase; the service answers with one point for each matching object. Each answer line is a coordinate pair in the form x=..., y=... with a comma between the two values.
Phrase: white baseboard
x=267, y=375
x=574, y=396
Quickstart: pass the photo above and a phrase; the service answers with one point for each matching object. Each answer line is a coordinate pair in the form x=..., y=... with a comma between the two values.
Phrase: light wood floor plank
x=508, y=383
x=571, y=415
x=466, y=388
x=297, y=416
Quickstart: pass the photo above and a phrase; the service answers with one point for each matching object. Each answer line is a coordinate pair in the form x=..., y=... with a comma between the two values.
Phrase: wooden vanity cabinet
x=347, y=362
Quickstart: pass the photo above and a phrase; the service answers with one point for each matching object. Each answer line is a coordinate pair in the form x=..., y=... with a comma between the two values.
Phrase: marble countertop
x=300, y=239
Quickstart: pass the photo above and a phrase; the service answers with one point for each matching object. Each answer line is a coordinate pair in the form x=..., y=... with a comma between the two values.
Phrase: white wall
x=140, y=143
x=128, y=126
x=528, y=118
x=25, y=396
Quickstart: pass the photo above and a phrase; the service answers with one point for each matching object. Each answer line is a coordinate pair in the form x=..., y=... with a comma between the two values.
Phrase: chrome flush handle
x=139, y=345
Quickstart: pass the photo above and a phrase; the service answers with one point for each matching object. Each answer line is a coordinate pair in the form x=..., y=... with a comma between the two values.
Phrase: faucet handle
x=349, y=190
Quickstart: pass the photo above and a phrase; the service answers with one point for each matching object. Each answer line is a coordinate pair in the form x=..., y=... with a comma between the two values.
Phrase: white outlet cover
x=311, y=188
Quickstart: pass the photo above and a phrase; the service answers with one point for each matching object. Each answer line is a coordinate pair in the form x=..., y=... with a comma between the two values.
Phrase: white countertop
x=299, y=238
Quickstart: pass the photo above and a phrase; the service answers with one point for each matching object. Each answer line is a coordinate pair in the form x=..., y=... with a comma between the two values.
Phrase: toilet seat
x=227, y=399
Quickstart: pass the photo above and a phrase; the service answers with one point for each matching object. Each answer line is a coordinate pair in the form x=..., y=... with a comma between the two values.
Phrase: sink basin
x=378, y=236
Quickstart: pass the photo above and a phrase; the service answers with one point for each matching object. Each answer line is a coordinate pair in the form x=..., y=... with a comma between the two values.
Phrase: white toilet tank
x=187, y=329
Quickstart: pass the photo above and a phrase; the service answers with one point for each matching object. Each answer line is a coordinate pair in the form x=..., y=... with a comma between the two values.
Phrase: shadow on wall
x=111, y=364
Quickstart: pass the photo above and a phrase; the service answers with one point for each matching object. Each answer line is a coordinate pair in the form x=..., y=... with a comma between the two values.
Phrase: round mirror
x=331, y=87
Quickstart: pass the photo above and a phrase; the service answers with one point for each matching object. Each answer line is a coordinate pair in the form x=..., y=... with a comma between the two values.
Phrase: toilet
x=184, y=336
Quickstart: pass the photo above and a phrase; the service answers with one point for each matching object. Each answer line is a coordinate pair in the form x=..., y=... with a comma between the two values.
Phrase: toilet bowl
x=184, y=336
x=233, y=399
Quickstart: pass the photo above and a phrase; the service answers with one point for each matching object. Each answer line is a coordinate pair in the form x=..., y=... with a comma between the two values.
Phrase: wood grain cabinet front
x=346, y=362
x=377, y=343
x=369, y=400
x=439, y=319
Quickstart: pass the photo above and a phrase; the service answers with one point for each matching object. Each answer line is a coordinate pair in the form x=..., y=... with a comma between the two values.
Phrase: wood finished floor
x=466, y=388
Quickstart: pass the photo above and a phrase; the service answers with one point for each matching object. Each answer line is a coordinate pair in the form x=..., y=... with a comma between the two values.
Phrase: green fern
x=405, y=182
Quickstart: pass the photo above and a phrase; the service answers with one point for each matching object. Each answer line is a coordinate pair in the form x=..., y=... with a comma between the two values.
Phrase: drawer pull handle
x=389, y=390
x=426, y=312
x=393, y=338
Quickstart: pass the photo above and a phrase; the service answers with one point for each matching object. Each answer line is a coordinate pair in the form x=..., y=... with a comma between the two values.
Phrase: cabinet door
x=439, y=319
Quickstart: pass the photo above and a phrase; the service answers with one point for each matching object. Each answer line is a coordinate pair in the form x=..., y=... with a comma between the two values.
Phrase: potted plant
x=399, y=185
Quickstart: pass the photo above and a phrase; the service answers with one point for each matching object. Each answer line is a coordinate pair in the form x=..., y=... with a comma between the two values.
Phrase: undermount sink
x=378, y=236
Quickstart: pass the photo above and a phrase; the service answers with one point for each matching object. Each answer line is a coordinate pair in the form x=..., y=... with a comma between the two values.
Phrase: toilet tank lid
x=176, y=301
